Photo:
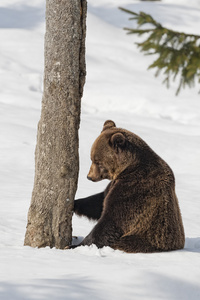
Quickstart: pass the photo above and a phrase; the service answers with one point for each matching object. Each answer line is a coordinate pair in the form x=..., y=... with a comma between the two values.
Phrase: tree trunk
x=56, y=155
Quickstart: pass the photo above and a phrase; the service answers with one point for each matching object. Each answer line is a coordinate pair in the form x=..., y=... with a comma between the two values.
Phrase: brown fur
x=139, y=211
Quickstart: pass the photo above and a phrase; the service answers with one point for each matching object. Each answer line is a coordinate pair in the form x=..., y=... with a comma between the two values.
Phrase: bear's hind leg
x=135, y=244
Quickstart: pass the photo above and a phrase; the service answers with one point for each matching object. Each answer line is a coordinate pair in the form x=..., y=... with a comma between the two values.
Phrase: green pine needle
x=178, y=52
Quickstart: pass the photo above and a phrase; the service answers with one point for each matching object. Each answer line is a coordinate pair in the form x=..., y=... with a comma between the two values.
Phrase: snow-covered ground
x=118, y=87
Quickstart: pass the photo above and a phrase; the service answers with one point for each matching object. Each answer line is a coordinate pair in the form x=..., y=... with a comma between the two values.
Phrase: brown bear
x=138, y=211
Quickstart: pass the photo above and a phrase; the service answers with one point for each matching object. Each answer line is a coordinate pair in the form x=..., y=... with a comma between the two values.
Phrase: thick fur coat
x=138, y=211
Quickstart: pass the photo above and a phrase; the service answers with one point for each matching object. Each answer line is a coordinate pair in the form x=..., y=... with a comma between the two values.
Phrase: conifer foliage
x=178, y=53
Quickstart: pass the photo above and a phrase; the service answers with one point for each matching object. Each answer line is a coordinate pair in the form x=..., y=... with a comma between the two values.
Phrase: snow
x=118, y=87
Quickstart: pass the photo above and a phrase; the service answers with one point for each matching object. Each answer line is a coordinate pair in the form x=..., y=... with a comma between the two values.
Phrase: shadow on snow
x=21, y=17
x=152, y=285
x=192, y=244
x=72, y=288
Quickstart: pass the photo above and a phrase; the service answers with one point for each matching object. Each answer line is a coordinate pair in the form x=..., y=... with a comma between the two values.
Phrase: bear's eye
x=100, y=166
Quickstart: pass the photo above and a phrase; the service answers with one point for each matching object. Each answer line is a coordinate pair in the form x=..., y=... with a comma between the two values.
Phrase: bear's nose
x=89, y=178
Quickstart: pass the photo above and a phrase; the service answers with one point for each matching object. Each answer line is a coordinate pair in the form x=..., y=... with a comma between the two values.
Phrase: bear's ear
x=108, y=124
x=118, y=141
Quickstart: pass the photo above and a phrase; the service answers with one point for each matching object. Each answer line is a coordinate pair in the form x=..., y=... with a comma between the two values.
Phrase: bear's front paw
x=70, y=247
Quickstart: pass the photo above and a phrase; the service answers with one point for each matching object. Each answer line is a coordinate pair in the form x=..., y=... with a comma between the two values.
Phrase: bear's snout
x=89, y=178
x=92, y=178
x=94, y=174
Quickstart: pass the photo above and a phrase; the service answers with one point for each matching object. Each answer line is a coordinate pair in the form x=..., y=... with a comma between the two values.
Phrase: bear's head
x=112, y=152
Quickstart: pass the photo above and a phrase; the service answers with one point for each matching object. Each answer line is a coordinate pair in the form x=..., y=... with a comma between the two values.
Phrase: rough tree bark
x=56, y=154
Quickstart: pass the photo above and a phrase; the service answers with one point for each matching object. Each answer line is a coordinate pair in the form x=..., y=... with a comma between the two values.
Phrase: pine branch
x=178, y=52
